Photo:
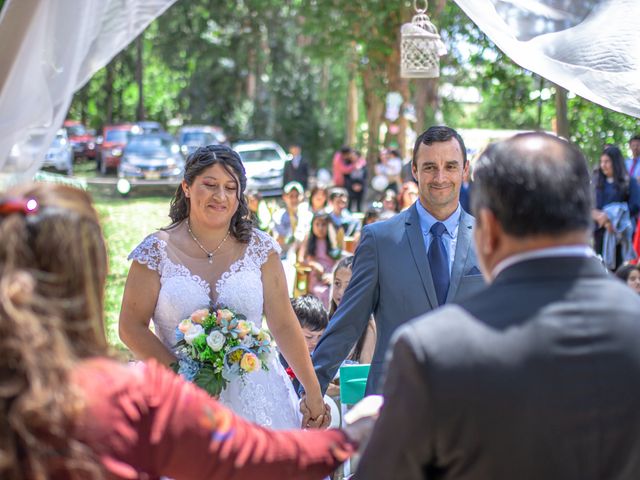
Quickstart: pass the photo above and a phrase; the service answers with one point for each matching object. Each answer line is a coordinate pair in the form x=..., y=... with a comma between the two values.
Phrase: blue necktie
x=439, y=262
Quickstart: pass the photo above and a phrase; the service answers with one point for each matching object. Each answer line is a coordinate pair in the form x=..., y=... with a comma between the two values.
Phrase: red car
x=81, y=140
x=115, y=138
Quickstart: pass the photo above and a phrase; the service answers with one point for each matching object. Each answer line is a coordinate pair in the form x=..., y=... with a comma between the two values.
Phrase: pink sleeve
x=171, y=428
x=338, y=177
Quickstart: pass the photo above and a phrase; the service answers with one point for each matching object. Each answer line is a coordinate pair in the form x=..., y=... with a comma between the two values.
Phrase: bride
x=211, y=256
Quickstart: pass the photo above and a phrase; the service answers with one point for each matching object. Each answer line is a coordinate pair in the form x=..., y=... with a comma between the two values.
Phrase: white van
x=264, y=163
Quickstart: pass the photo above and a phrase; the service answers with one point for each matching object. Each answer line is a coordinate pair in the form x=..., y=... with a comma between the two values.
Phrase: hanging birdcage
x=420, y=47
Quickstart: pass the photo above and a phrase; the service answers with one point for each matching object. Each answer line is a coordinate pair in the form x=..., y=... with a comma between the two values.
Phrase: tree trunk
x=252, y=63
x=139, y=77
x=375, y=109
x=83, y=104
x=562, y=120
x=426, y=102
x=251, y=76
x=351, y=136
x=108, y=88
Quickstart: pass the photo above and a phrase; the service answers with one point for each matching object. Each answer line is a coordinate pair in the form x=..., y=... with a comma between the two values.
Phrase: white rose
x=194, y=332
x=247, y=342
x=216, y=340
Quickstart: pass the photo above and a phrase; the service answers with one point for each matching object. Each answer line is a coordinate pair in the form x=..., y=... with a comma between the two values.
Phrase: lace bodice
x=182, y=292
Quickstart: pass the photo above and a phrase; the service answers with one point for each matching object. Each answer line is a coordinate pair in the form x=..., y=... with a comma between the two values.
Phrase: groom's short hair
x=439, y=133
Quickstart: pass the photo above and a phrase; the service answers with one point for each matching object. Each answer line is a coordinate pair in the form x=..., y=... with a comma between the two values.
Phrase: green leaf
x=210, y=381
x=209, y=323
x=200, y=343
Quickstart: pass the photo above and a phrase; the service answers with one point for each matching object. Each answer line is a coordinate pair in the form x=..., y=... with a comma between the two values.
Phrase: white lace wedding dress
x=265, y=397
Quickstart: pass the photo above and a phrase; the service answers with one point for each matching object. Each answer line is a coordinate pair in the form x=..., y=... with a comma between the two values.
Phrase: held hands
x=315, y=413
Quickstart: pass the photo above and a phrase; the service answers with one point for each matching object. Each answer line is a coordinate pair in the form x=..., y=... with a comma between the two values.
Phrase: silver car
x=264, y=163
x=60, y=154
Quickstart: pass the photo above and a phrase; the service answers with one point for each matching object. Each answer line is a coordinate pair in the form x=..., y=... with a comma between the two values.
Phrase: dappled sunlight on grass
x=125, y=222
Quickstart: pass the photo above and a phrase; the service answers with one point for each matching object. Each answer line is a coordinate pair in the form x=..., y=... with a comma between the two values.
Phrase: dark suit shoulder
x=439, y=333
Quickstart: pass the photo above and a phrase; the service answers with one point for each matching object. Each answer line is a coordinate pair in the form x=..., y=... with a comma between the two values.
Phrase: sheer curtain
x=590, y=47
x=48, y=50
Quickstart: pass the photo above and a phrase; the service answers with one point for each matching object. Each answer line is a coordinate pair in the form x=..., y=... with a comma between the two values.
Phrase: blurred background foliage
x=317, y=73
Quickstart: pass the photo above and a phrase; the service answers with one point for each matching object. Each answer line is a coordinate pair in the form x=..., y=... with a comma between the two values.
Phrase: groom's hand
x=308, y=421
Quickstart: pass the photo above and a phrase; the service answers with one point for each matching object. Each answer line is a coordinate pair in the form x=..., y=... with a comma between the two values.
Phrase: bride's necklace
x=209, y=254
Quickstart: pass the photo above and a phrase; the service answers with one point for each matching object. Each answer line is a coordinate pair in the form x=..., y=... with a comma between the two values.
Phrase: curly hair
x=203, y=158
x=52, y=276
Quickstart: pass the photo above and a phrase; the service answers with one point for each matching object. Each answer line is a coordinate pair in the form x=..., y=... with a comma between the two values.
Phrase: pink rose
x=199, y=315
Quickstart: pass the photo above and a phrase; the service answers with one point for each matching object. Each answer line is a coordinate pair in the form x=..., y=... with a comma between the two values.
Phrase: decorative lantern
x=420, y=46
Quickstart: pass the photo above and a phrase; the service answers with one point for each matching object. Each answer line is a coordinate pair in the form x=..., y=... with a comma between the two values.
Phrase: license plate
x=152, y=175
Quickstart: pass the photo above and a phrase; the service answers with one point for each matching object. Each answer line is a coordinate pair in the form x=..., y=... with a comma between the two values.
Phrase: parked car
x=60, y=154
x=82, y=140
x=151, y=156
x=191, y=137
x=150, y=127
x=264, y=162
x=114, y=139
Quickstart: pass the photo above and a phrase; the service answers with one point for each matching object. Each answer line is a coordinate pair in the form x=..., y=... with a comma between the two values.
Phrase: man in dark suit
x=296, y=169
x=409, y=264
x=537, y=376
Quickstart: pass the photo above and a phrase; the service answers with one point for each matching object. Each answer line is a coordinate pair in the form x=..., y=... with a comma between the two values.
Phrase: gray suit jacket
x=536, y=377
x=392, y=280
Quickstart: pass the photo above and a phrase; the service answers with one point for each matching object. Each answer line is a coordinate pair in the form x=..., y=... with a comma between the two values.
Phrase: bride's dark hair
x=198, y=162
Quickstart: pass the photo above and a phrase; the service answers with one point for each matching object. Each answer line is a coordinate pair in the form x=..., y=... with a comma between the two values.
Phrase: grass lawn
x=125, y=222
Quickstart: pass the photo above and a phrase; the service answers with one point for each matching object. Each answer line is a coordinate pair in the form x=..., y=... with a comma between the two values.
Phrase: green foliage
x=593, y=126
x=209, y=322
x=125, y=223
x=280, y=69
x=208, y=380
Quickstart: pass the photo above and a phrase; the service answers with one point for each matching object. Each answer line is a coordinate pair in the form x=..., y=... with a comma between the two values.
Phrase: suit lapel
x=465, y=230
x=416, y=243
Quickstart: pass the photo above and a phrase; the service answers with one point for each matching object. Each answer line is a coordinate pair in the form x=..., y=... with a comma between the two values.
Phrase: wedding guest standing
x=343, y=164
x=69, y=411
x=535, y=377
x=633, y=162
x=616, y=209
x=296, y=169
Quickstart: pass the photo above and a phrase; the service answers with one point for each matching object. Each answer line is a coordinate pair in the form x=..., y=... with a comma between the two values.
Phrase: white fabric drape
x=48, y=50
x=590, y=47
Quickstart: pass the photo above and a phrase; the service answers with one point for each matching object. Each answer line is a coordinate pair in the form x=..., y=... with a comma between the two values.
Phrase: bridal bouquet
x=216, y=346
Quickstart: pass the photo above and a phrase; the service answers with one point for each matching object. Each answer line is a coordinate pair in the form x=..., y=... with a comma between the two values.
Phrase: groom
x=409, y=264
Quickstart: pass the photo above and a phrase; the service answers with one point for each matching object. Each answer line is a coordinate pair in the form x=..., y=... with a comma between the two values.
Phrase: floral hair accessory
x=25, y=206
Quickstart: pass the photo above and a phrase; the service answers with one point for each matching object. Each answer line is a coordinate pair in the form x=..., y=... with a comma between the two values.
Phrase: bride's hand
x=316, y=414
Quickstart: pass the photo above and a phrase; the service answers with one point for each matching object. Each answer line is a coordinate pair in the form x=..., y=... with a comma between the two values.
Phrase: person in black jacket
x=296, y=169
